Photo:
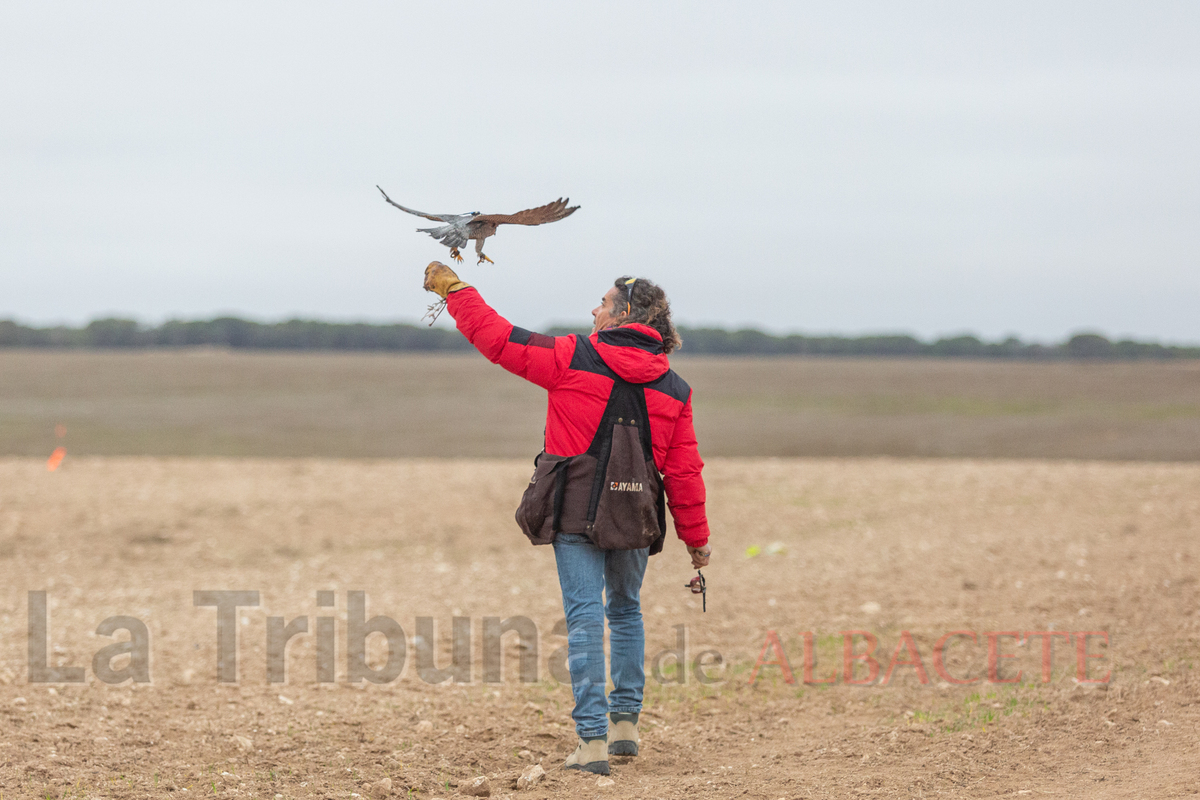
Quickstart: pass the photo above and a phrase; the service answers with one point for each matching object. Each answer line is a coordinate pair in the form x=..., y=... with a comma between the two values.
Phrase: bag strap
x=626, y=403
x=560, y=491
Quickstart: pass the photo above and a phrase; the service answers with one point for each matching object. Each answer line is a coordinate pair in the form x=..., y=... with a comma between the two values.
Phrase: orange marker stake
x=56, y=459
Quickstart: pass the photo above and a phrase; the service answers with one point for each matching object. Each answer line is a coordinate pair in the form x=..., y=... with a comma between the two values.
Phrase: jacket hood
x=635, y=352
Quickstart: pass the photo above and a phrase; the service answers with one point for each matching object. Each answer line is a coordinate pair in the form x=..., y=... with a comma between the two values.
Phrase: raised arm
x=536, y=357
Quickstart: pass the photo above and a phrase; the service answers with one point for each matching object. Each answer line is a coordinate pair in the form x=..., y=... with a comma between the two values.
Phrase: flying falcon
x=461, y=227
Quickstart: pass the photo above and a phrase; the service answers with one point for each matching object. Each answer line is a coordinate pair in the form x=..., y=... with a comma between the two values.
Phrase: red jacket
x=578, y=395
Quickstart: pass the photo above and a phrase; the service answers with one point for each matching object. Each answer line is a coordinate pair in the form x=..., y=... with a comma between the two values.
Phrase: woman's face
x=604, y=315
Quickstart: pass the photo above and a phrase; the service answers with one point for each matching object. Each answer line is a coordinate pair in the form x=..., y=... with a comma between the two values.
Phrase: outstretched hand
x=442, y=280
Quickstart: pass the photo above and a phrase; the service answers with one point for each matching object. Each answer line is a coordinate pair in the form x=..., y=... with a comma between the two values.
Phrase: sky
x=1015, y=168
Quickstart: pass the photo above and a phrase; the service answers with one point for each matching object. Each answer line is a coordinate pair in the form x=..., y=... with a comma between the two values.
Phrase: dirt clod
x=479, y=787
x=530, y=776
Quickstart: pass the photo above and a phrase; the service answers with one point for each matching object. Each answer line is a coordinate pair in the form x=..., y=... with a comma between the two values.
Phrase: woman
x=602, y=526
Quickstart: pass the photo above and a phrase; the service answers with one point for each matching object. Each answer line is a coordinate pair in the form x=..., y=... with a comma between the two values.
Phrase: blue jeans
x=584, y=571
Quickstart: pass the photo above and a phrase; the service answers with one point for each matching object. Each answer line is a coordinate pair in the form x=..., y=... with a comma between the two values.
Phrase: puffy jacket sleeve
x=535, y=357
x=684, y=483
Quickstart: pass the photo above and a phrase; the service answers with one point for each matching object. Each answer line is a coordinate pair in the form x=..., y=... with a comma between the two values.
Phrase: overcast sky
x=932, y=168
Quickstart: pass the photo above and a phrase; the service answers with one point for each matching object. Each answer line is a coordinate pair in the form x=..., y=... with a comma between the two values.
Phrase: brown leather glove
x=441, y=279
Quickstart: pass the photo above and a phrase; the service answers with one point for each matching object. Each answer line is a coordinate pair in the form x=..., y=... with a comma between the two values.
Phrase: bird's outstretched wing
x=551, y=212
x=434, y=217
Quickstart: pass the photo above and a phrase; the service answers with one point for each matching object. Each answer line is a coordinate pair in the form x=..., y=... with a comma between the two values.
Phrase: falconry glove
x=441, y=279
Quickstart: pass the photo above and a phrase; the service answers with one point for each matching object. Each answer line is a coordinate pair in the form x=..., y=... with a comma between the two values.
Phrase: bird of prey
x=461, y=227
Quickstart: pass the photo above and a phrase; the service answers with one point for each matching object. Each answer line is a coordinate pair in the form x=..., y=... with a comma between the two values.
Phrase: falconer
x=618, y=418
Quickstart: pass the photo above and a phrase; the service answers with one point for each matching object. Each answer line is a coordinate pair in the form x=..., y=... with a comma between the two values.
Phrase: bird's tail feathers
x=446, y=234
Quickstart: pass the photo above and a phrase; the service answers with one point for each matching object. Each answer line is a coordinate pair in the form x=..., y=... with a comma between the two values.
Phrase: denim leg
x=623, y=572
x=581, y=577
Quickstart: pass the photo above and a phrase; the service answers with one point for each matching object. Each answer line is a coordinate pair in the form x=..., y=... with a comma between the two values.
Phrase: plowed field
x=820, y=546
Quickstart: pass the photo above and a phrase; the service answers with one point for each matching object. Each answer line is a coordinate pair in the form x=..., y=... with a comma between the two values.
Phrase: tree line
x=297, y=334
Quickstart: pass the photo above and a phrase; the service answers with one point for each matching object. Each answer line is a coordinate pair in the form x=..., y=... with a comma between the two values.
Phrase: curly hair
x=649, y=306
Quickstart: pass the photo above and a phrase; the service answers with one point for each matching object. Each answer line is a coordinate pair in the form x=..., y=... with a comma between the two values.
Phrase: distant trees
x=1093, y=346
x=115, y=333
x=299, y=334
x=716, y=341
x=236, y=333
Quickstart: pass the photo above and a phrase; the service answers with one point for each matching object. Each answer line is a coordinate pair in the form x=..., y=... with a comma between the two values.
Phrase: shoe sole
x=596, y=767
x=623, y=748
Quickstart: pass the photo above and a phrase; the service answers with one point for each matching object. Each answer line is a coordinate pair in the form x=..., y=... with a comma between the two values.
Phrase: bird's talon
x=483, y=258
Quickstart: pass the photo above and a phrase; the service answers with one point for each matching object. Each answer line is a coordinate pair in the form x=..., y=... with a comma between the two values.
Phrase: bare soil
x=802, y=545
